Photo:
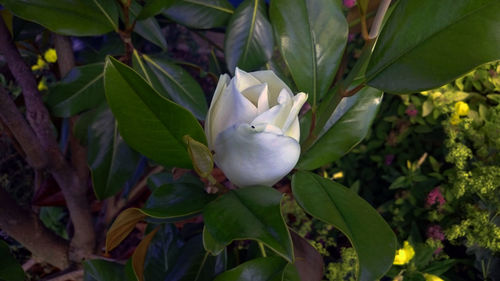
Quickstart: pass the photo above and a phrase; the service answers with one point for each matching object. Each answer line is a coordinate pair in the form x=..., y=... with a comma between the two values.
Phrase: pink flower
x=411, y=111
x=349, y=3
x=435, y=196
x=435, y=232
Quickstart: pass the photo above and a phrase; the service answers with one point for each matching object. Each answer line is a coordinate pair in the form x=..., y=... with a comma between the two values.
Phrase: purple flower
x=435, y=232
x=411, y=111
x=435, y=197
x=349, y=3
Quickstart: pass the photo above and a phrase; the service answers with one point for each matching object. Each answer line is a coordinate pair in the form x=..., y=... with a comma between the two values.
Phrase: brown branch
x=74, y=190
x=66, y=61
x=28, y=230
x=70, y=274
x=65, y=56
x=22, y=132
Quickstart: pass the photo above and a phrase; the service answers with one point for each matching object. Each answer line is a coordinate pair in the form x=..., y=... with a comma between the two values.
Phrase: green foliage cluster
x=438, y=153
x=325, y=240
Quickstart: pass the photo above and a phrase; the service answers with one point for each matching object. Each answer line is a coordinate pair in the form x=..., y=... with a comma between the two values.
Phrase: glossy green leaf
x=249, y=213
x=81, y=89
x=162, y=252
x=10, y=269
x=201, y=14
x=261, y=269
x=153, y=7
x=111, y=161
x=149, y=123
x=370, y=235
x=178, y=199
x=248, y=42
x=291, y=273
x=311, y=35
x=101, y=270
x=75, y=17
x=347, y=127
x=150, y=30
x=425, y=45
x=173, y=82
x=194, y=264
x=210, y=244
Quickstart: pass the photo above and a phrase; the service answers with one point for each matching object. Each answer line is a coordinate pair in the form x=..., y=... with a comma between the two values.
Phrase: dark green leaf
x=10, y=269
x=78, y=17
x=200, y=14
x=178, y=199
x=174, y=83
x=249, y=39
x=424, y=45
x=111, y=161
x=162, y=252
x=150, y=30
x=210, y=244
x=101, y=270
x=370, y=235
x=148, y=122
x=249, y=213
x=291, y=273
x=194, y=264
x=440, y=267
x=81, y=89
x=311, y=35
x=153, y=7
x=351, y=121
x=261, y=269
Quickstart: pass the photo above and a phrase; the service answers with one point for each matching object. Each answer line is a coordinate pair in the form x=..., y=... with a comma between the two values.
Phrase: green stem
x=262, y=249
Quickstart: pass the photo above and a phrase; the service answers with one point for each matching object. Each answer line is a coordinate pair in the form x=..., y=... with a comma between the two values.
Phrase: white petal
x=244, y=80
x=255, y=155
x=298, y=102
x=221, y=87
x=258, y=96
x=294, y=130
x=228, y=108
x=275, y=84
x=278, y=114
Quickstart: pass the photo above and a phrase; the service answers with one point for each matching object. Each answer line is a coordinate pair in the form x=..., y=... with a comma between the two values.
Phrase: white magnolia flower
x=253, y=128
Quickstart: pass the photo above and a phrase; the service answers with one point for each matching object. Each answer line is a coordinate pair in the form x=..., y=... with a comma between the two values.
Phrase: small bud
x=201, y=157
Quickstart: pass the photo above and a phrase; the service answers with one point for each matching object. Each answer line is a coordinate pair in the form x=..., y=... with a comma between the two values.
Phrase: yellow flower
x=431, y=277
x=405, y=254
x=338, y=175
x=42, y=85
x=40, y=64
x=50, y=55
x=461, y=108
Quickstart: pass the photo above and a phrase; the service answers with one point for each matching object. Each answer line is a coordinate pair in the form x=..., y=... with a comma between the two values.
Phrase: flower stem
x=262, y=249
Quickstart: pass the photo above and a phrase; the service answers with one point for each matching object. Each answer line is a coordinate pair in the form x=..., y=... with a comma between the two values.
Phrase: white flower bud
x=253, y=127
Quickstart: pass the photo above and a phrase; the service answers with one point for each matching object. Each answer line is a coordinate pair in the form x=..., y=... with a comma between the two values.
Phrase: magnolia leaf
x=139, y=255
x=122, y=226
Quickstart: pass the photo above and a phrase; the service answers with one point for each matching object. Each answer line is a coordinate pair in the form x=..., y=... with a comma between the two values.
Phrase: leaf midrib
x=313, y=55
x=250, y=31
x=170, y=77
x=225, y=10
x=85, y=87
x=405, y=52
x=146, y=105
